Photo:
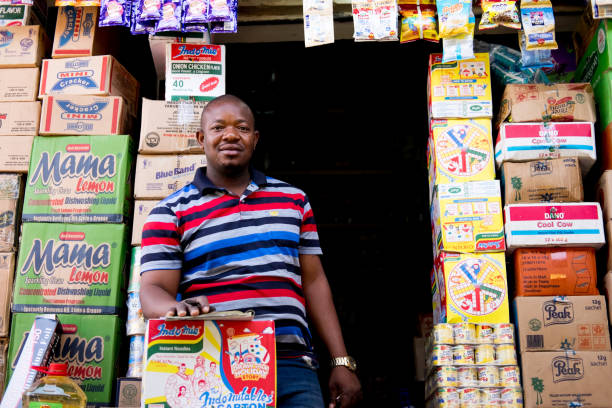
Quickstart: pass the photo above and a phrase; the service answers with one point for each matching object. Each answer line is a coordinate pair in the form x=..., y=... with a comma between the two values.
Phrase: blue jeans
x=297, y=385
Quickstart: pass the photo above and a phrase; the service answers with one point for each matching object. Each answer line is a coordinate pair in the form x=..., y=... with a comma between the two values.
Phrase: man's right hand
x=191, y=307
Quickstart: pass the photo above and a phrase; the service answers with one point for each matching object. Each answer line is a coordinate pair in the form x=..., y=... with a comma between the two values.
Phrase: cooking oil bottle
x=56, y=390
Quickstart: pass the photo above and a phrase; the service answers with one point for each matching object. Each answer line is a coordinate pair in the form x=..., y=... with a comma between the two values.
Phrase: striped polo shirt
x=240, y=252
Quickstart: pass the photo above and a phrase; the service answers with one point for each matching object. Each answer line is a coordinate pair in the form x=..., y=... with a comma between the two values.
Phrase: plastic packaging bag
x=454, y=17
x=171, y=17
x=539, y=58
x=497, y=13
x=385, y=20
x=318, y=22
x=539, y=25
x=225, y=26
x=418, y=23
x=114, y=13
x=460, y=47
x=194, y=11
x=140, y=28
x=149, y=10
x=219, y=10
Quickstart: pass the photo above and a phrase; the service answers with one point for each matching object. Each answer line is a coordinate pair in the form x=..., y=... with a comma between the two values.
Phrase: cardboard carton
x=21, y=46
x=15, y=15
x=3, y=359
x=7, y=269
x=459, y=89
x=521, y=142
x=567, y=379
x=70, y=268
x=11, y=192
x=194, y=71
x=604, y=194
x=100, y=75
x=555, y=180
x=77, y=33
x=88, y=344
x=555, y=271
x=36, y=351
x=15, y=153
x=19, y=118
x=128, y=392
x=19, y=84
x=142, y=208
x=547, y=323
x=597, y=58
x=83, y=115
x=170, y=127
x=159, y=176
x=467, y=217
x=547, y=103
x=546, y=225
x=609, y=241
x=606, y=145
x=472, y=288
x=459, y=150
x=79, y=179
x=608, y=292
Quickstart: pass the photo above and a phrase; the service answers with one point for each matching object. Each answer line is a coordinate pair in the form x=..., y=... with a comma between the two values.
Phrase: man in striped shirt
x=234, y=239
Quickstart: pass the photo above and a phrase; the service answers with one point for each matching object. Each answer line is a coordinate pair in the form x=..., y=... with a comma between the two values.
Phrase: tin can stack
x=135, y=325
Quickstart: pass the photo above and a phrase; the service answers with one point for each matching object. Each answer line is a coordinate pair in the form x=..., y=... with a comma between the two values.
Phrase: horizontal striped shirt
x=240, y=252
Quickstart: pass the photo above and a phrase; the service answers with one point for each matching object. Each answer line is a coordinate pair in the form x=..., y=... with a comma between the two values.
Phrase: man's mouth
x=231, y=149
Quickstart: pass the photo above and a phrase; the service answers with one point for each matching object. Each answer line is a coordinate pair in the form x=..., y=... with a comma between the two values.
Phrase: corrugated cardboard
x=15, y=153
x=19, y=84
x=547, y=225
x=77, y=33
x=19, y=118
x=609, y=241
x=159, y=176
x=11, y=192
x=555, y=271
x=83, y=115
x=608, y=292
x=100, y=75
x=128, y=392
x=142, y=208
x=606, y=143
x=547, y=323
x=3, y=361
x=604, y=194
x=7, y=270
x=21, y=46
x=543, y=103
x=550, y=181
x=567, y=379
x=170, y=127
x=15, y=15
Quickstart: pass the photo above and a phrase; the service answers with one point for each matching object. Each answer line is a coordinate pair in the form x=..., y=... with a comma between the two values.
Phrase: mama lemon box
x=70, y=268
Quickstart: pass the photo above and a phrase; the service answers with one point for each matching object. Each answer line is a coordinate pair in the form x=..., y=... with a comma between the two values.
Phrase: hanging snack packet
x=225, y=27
x=363, y=16
x=318, y=22
x=195, y=11
x=114, y=13
x=460, y=47
x=418, y=23
x=385, y=20
x=453, y=17
x=149, y=10
x=140, y=28
x=497, y=13
x=219, y=10
x=538, y=58
x=171, y=17
x=539, y=25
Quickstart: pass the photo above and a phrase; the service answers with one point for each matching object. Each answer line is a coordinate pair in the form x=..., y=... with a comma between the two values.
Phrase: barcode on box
x=535, y=341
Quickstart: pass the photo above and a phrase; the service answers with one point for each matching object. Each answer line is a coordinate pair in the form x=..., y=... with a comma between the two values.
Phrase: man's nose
x=231, y=134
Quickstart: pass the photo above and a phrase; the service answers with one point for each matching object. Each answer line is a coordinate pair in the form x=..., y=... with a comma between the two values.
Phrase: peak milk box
x=70, y=268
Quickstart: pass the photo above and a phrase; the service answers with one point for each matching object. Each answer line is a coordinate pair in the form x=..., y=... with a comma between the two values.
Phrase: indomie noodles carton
x=209, y=364
x=68, y=268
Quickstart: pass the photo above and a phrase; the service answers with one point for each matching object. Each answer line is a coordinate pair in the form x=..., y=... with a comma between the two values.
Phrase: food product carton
x=19, y=118
x=170, y=127
x=521, y=142
x=472, y=288
x=77, y=33
x=159, y=176
x=128, y=392
x=142, y=208
x=7, y=269
x=79, y=179
x=597, y=59
x=83, y=115
x=460, y=150
x=88, y=344
x=609, y=241
x=15, y=15
x=3, y=360
x=36, y=351
x=555, y=271
x=11, y=192
x=19, y=84
x=460, y=89
x=21, y=46
x=583, y=33
x=15, y=153
x=545, y=225
x=194, y=71
x=608, y=292
x=604, y=194
x=567, y=379
x=547, y=103
x=100, y=75
x=467, y=217
x=70, y=268
x=555, y=323
x=554, y=180
x=205, y=362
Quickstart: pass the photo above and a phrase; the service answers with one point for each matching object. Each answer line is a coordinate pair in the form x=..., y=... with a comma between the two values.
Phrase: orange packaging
x=555, y=272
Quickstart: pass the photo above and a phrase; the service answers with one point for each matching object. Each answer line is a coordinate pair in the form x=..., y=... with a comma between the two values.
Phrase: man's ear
x=200, y=137
x=256, y=137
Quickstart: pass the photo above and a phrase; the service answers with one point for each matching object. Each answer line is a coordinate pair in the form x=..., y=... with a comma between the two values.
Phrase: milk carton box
x=79, y=179
x=19, y=118
x=15, y=153
x=19, y=84
x=70, y=268
x=560, y=224
x=21, y=46
x=88, y=344
x=159, y=176
x=11, y=193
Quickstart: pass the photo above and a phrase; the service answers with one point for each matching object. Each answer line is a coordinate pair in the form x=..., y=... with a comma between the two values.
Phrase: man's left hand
x=344, y=388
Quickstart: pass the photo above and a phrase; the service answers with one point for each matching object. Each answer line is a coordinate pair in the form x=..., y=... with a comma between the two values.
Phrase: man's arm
x=322, y=313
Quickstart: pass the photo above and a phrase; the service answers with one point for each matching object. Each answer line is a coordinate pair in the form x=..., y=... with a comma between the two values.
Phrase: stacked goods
x=77, y=33
x=135, y=325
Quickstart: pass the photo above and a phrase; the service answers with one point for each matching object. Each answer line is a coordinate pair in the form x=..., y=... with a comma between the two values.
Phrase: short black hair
x=227, y=98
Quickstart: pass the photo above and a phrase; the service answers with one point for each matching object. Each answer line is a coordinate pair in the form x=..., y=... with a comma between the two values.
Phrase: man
x=235, y=239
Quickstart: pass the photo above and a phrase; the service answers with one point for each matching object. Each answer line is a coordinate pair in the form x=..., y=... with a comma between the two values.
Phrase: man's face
x=229, y=137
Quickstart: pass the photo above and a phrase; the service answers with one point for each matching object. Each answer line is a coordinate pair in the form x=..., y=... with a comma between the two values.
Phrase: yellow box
x=460, y=150
x=460, y=89
x=468, y=217
x=473, y=288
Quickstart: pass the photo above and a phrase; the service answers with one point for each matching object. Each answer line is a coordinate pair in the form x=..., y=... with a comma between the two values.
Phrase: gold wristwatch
x=347, y=361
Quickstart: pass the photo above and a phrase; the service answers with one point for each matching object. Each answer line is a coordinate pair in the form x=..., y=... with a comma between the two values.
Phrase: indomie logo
x=61, y=166
x=84, y=112
x=195, y=51
x=567, y=369
x=163, y=331
x=65, y=254
x=556, y=312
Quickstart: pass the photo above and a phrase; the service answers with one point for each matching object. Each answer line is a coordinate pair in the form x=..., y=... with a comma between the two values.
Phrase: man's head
x=228, y=134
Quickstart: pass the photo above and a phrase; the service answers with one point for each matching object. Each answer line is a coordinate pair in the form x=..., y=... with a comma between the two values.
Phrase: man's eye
x=218, y=128
x=243, y=129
